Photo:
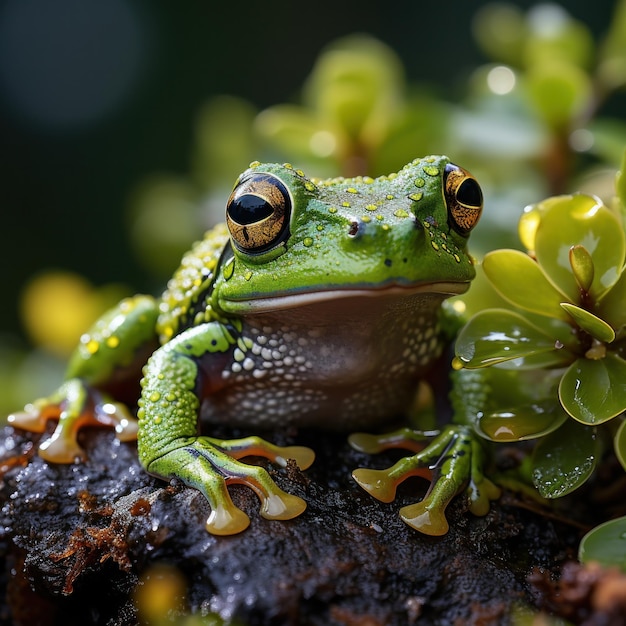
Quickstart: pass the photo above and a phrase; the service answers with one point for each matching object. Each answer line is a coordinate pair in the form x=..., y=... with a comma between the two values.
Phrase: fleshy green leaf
x=611, y=306
x=519, y=279
x=498, y=335
x=588, y=321
x=619, y=444
x=580, y=220
x=582, y=266
x=564, y=459
x=605, y=544
x=521, y=422
x=593, y=392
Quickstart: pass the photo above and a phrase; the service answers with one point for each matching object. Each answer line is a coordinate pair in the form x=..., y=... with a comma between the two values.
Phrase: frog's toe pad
x=59, y=449
x=282, y=506
x=377, y=483
x=302, y=455
x=364, y=442
x=227, y=519
x=430, y=521
x=30, y=419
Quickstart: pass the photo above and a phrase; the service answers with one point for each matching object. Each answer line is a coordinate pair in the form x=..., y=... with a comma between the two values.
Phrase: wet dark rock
x=78, y=539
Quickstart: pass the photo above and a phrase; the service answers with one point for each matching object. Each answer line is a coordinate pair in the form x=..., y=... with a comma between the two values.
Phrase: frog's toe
x=282, y=506
x=32, y=418
x=255, y=446
x=226, y=519
x=425, y=518
x=377, y=483
x=302, y=455
x=405, y=438
x=60, y=448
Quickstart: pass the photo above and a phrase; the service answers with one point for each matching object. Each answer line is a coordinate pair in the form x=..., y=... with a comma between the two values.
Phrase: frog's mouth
x=297, y=299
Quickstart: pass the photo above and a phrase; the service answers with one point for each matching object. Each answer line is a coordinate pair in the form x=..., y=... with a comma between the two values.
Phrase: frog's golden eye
x=464, y=198
x=257, y=213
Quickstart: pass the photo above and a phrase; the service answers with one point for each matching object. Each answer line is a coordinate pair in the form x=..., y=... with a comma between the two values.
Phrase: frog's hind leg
x=169, y=446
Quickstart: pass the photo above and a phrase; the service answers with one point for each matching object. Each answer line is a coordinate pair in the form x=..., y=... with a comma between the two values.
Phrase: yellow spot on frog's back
x=92, y=346
x=332, y=209
x=255, y=164
x=416, y=197
x=155, y=396
x=248, y=275
x=113, y=341
x=308, y=241
x=345, y=205
x=370, y=207
x=309, y=186
x=431, y=170
x=352, y=190
x=401, y=213
x=419, y=182
x=434, y=245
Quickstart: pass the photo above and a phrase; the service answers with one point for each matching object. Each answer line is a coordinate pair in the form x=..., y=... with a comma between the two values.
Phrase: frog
x=316, y=303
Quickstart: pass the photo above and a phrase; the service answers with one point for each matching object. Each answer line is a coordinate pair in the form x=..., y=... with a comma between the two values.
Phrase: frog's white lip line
x=304, y=298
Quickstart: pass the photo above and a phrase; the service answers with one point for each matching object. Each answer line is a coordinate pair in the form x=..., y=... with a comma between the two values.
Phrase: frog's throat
x=292, y=300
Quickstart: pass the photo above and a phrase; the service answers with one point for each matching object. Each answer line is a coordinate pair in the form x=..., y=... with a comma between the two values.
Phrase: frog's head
x=295, y=240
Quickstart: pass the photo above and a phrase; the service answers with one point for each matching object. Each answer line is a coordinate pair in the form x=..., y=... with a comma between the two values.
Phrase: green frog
x=316, y=304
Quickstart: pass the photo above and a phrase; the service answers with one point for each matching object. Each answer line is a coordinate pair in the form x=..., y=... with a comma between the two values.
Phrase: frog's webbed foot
x=74, y=406
x=210, y=465
x=452, y=461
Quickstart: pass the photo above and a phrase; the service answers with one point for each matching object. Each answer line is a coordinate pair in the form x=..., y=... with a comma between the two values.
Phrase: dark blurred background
x=97, y=94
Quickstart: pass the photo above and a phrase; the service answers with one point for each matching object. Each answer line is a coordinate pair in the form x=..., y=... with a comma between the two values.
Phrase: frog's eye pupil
x=469, y=193
x=464, y=198
x=249, y=208
x=257, y=213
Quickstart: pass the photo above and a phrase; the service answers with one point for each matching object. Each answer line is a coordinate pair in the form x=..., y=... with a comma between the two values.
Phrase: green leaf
x=619, y=443
x=563, y=460
x=497, y=335
x=580, y=220
x=593, y=392
x=589, y=322
x=520, y=281
x=582, y=266
x=605, y=544
x=611, y=306
x=620, y=179
x=521, y=422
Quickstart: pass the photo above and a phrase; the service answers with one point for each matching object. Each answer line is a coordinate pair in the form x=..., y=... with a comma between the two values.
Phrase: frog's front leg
x=109, y=351
x=452, y=461
x=169, y=444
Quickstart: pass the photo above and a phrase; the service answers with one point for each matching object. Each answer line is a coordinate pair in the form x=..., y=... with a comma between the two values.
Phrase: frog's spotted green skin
x=315, y=304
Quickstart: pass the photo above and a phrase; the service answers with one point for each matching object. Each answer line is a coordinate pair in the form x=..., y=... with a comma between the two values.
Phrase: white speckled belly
x=340, y=364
